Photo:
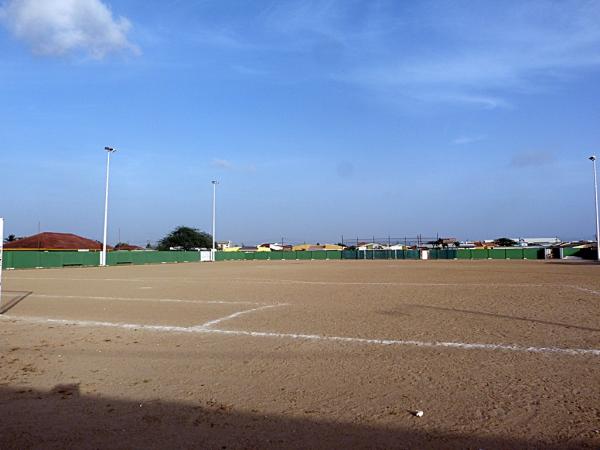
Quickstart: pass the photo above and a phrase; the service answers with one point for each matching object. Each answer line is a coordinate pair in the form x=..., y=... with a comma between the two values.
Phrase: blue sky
x=319, y=118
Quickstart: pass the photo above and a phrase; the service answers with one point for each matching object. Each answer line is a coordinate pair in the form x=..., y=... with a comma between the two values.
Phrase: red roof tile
x=55, y=241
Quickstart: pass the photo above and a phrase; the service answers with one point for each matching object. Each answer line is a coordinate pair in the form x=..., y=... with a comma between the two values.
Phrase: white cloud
x=464, y=140
x=222, y=164
x=61, y=27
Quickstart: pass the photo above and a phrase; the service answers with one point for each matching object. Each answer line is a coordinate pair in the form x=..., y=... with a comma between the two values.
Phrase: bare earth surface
x=315, y=354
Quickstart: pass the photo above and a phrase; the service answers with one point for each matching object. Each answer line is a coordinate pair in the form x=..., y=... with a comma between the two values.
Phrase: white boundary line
x=332, y=283
x=393, y=283
x=202, y=329
x=589, y=291
x=141, y=299
x=237, y=314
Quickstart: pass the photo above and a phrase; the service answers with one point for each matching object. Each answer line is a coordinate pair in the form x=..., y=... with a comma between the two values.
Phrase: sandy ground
x=315, y=354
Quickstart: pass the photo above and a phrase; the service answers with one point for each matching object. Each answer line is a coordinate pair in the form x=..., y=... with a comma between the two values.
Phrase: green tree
x=504, y=242
x=185, y=238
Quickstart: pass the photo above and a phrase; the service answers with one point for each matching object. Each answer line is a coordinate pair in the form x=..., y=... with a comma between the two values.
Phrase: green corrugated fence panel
x=571, y=251
x=261, y=255
x=497, y=253
x=140, y=257
x=25, y=260
x=51, y=259
x=532, y=253
x=80, y=258
x=249, y=256
x=349, y=254
x=319, y=254
x=514, y=253
x=116, y=258
x=7, y=260
x=276, y=255
x=192, y=256
x=381, y=254
x=333, y=254
x=480, y=253
x=304, y=254
x=464, y=253
x=412, y=254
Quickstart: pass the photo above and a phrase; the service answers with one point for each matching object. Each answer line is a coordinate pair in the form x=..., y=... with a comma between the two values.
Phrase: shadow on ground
x=62, y=418
x=497, y=316
x=14, y=298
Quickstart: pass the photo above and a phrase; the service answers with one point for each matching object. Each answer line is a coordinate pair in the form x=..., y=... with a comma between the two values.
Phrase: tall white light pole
x=214, y=210
x=109, y=150
x=593, y=159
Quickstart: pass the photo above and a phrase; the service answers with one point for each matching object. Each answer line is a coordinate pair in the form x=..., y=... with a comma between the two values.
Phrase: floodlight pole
x=109, y=150
x=214, y=209
x=593, y=159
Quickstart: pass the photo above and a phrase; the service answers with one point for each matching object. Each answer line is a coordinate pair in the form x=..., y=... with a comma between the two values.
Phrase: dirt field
x=329, y=354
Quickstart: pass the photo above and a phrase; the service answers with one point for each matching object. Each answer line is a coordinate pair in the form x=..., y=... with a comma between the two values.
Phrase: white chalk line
x=312, y=337
x=589, y=291
x=325, y=283
x=142, y=299
x=416, y=284
x=237, y=314
x=392, y=283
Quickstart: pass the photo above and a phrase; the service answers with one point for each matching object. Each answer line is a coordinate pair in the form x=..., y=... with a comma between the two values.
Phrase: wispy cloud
x=224, y=164
x=464, y=140
x=525, y=48
x=476, y=54
x=221, y=164
x=61, y=27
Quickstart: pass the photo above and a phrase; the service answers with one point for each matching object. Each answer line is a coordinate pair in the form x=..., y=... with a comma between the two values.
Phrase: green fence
x=34, y=259
x=500, y=253
x=441, y=254
x=132, y=257
x=50, y=259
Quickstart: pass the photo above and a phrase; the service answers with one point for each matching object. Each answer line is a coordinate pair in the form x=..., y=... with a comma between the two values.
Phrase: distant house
x=127, y=247
x=302, y=247
x=54, y=241
x=395, y=247
x=248, y=249
x=537, y=241
x=222, y=245
x=316, y=247
x=369, y=246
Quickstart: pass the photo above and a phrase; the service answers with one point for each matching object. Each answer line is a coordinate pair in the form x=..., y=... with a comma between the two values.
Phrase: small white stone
x=419, y=413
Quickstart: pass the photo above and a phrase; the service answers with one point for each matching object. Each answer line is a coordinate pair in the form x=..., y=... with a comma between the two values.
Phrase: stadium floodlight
x=214, y=210
x=109, y=150
x=593, y=159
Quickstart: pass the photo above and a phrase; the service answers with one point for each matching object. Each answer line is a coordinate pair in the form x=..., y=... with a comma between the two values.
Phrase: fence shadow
x=64, y=418
x=502, y=316
x=18, y=298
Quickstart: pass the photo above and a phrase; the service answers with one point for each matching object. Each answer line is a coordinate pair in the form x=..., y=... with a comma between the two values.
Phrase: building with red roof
x=54, y=241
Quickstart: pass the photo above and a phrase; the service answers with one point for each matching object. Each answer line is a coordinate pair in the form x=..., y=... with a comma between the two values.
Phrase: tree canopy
x=185, y=238
x=505, y=242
